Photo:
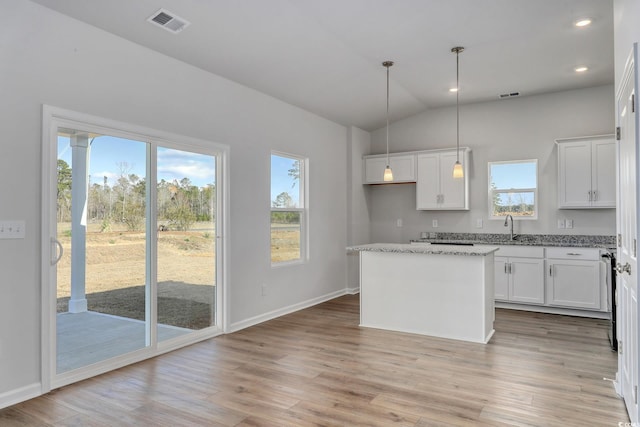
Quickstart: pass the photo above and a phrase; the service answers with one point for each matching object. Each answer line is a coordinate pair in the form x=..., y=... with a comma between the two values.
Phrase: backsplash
x=524, y=239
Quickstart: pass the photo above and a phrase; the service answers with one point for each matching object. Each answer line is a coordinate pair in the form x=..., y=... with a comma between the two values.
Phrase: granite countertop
x=577, y=241
x=424, y=249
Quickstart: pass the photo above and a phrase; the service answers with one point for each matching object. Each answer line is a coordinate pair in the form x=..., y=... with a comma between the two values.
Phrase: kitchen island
x=444, y=291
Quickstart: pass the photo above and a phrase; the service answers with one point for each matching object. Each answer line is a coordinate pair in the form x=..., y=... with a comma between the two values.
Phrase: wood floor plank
x=317, y=367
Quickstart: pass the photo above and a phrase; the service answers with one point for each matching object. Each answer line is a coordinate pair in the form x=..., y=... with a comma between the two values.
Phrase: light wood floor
x=317, y=367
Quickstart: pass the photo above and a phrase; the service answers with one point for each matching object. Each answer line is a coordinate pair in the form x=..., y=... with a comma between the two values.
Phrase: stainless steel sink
x=452, y=243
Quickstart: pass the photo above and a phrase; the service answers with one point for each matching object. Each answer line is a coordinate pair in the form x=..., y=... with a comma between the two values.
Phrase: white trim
x=234, y=327
x=352, y=291
x=304, y=210
x=20, y=395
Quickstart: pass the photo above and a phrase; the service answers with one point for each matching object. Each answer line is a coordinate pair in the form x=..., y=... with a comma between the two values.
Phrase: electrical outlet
x=561, y=223
x=399, y=222
x=12, y=229
x=434, y=223
x=568, y=223
x=479, y=223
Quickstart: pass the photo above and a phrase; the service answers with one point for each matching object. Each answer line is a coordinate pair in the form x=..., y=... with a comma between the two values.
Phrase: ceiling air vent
x=169, y=21
x=509, y=95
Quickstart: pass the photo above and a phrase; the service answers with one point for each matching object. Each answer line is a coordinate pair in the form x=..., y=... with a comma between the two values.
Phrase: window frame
x=302, y=209
x=492, y=191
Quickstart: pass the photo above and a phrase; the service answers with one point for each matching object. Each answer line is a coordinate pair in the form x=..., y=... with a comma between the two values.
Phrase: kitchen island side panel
x=448, y=296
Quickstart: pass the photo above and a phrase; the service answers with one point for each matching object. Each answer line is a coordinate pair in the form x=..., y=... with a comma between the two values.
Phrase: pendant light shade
x=388, y=173
x=458, y=172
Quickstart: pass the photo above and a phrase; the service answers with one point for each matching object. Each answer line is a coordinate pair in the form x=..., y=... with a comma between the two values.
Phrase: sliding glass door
x=101, y=224
x=186, y=224
x=134, y=254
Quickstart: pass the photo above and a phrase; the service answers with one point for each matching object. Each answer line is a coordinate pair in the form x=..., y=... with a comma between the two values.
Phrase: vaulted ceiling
x=326, y=55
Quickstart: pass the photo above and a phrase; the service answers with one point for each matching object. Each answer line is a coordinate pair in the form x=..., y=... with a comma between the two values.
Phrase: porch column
x=79, y=191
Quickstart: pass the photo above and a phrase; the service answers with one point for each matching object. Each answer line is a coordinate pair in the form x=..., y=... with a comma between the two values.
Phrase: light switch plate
x=568, y=223
x=434, y=223
x=12, y=229
x=479, y=223
x=561, y=223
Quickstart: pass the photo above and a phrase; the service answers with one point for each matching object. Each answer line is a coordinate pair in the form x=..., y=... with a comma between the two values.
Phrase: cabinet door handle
x=505, y=268
x=550, y=270
x=573, y=254
x=510, y=268
x=595, y=195
x=589, y=195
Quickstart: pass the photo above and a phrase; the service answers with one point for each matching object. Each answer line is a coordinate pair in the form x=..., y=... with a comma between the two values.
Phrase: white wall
x=357, y=201
x=518, y=128
x=47, y=58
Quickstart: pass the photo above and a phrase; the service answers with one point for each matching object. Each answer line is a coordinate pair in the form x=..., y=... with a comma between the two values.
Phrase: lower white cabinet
x=519, y=280
x=562, y=277
x=574, y=278
x=519, y=276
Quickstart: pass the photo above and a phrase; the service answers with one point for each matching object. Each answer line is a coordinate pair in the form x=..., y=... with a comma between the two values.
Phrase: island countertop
x=424, y=249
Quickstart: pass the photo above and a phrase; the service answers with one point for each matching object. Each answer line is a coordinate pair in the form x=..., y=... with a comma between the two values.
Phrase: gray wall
x=47, y=58
x=513, y=129
x=358, y=201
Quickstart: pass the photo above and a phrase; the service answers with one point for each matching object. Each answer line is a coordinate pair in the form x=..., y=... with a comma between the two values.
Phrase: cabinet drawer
x=587, y=254
x=520, y=251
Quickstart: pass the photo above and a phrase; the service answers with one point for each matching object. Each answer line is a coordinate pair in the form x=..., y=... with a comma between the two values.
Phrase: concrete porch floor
x=90, y=337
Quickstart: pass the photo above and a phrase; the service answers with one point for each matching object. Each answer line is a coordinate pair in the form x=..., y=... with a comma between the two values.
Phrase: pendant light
x=458, y=172
x=388, y=174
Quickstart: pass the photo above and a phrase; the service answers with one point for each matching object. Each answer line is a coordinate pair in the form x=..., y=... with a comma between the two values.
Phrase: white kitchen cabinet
x=403, y=166
x=519, y=276
x=586, y=172
x=574, y=278
x=436, y=189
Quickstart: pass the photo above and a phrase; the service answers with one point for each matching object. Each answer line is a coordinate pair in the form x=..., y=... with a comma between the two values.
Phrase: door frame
x=54, y=117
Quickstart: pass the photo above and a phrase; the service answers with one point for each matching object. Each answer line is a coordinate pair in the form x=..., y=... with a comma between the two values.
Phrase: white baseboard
x=285, y=310
x=353, y=291
x=20, y=395
x=554, y=310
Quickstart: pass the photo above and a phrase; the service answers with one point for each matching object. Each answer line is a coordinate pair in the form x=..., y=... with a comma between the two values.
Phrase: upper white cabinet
x=403, y=166
x=586, y=172
x=436, y=189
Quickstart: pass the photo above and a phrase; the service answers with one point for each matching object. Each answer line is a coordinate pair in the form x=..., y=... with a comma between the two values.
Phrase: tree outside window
x=513, y=189
x=288, y=208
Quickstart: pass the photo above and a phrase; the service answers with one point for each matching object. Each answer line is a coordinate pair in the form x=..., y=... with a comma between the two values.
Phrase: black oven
x=610, y=260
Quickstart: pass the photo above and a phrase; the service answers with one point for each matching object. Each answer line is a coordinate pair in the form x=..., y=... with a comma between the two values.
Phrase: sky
x=109, y=153
x=515, y=175
x=281, y=181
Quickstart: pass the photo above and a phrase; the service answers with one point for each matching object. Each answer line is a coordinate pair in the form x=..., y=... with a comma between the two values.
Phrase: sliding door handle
x=56, y=249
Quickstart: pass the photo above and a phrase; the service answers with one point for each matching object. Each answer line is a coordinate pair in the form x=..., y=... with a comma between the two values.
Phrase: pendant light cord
x=457, y=106
x=388, y=112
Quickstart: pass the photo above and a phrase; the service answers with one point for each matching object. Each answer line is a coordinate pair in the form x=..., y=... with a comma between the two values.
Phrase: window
x=513, y=189
x=288, y=208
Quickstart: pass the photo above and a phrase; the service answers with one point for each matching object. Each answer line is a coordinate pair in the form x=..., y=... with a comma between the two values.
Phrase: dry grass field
x=116, y=272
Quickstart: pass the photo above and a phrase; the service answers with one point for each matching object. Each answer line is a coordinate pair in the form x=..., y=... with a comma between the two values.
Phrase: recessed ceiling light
x=581, y=69
x=453, y=89
x=583, y=22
